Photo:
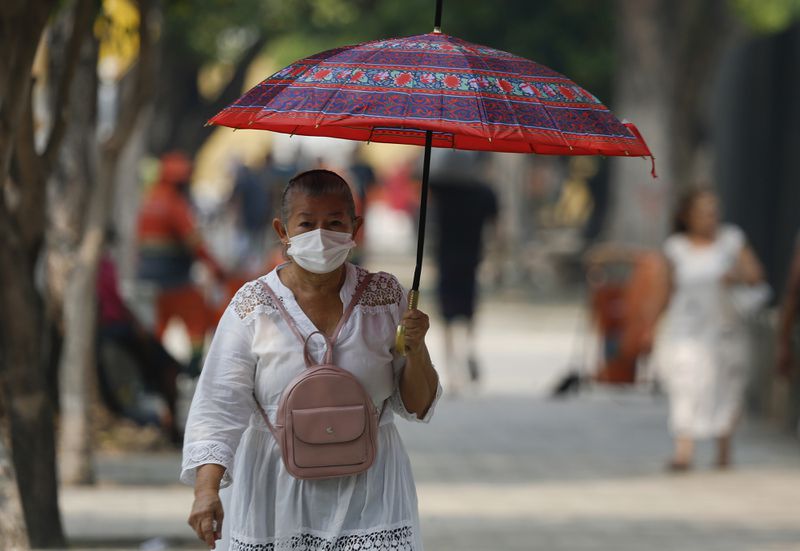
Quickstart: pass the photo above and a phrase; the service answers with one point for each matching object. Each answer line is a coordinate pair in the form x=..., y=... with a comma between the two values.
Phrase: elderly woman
x=254, y=356
x=702, y=351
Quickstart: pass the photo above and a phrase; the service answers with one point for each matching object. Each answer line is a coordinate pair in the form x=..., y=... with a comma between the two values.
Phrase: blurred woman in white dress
x=702, y=350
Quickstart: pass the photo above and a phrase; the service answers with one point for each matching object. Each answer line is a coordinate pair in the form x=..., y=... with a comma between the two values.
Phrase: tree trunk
x=23, y=339
x=127, y=196
x=78, y=372
x=71, y=274
x=29, y=409
x=12, y=522
x=21, y=26
x=96, y=184
x=667, y=62
x=638, y=213
x=511, y=170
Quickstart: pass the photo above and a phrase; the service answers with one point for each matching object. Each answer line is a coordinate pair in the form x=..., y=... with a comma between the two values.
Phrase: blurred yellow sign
x=117, y=29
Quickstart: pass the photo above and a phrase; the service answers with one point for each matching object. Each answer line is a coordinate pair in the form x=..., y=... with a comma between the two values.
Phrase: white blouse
x=254, y=349
x=700, y=302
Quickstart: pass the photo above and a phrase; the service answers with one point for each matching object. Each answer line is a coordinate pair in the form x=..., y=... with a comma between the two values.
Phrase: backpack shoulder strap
x=350, y=307
x=330, y=342
x=282, y=310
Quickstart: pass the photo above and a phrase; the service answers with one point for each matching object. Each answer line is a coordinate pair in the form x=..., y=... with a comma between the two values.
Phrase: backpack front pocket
x=329, y=436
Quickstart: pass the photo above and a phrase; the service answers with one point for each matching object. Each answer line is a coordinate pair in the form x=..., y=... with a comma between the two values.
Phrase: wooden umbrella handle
x=400, y=336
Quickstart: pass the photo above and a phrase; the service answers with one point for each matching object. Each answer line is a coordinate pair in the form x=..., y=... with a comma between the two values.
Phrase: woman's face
x=307, y=213
x=703, y=216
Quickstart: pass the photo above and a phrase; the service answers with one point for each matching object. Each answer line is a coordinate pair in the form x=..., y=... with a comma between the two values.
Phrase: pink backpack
x=327, y=425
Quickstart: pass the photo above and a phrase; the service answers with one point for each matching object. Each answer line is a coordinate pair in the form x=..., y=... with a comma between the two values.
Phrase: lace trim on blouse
x=391, y=539
x=383, y=291
x=251, y=299
x=204, y=452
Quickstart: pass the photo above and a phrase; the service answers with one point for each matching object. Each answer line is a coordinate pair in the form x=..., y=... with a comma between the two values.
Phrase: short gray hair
x=315, y=183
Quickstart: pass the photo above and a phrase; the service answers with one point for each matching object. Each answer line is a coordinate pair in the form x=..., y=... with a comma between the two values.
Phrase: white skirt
x=268, y=509
x=705, y=380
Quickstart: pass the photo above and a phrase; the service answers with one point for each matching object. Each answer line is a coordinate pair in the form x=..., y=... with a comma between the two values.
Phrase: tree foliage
x=768, y=16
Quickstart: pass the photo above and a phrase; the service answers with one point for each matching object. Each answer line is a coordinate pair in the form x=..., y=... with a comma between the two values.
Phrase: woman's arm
x=747, y=270
x=419, y=380
x=220, y=411
x=206, y=516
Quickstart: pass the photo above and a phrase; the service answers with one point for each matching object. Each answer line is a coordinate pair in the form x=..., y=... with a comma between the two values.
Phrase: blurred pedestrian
x=464, y=206
x=256, y=192
x=788, y=317
x=250, y=201
x=363, y=175
x=155, y=369
x=169, y=243
x=702, y=350
x=257, y=351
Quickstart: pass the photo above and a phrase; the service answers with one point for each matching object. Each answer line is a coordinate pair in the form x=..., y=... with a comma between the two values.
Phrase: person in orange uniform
x=169, y=243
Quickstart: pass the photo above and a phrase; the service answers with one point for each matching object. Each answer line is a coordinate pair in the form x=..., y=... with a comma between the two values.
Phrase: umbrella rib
x=549, y=116
x=555, y=125
x=513, y=112
x=480, y=98
x=321, y=111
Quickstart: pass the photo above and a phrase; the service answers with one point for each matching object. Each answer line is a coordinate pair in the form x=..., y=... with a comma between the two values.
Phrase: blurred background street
x=506, y=466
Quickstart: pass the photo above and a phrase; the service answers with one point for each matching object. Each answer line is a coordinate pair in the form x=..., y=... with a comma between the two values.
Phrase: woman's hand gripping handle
x=400, y=342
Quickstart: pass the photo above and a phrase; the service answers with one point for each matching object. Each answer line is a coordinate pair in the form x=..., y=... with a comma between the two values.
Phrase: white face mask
x=320, y=251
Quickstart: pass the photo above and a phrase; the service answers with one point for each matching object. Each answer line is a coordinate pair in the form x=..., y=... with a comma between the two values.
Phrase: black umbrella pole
x=437, y=19
x=423, y=208
x=413, y=294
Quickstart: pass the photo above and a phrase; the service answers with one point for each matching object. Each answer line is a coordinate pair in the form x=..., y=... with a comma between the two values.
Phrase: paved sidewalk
x=523, y=474
x=507, y=468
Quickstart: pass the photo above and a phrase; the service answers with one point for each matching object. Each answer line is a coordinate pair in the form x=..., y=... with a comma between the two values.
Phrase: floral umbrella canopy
x=438, y=91
x=469, y=96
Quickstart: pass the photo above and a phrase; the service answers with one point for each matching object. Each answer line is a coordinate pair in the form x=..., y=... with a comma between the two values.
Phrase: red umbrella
x=438, y=91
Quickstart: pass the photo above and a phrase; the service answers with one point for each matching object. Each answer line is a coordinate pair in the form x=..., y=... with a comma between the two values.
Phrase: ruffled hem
x=390, y=538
